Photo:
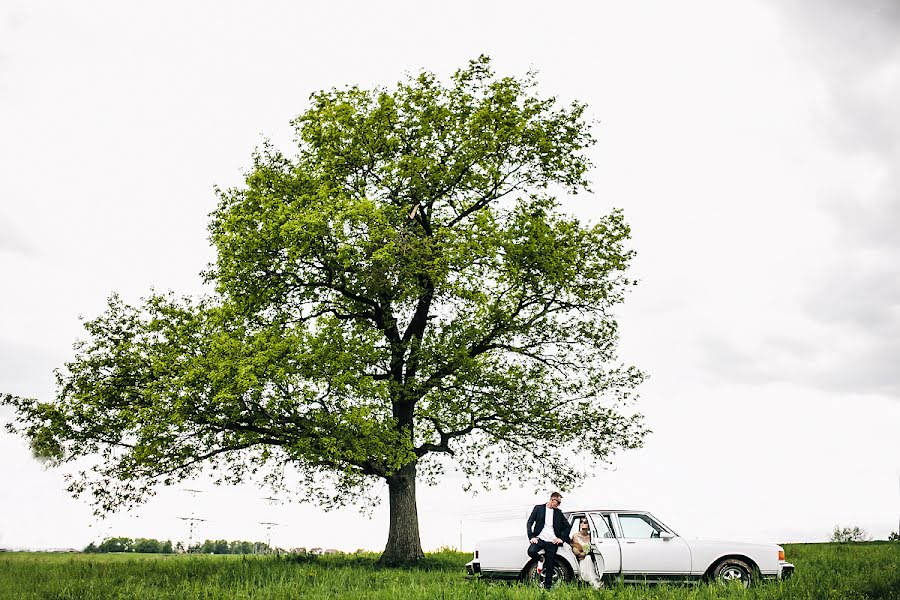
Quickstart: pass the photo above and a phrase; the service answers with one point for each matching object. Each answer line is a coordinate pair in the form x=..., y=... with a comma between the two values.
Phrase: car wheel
x=733, y=570
x=561, y=573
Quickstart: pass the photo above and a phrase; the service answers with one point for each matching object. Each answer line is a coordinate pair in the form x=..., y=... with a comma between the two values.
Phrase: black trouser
x=549, y=549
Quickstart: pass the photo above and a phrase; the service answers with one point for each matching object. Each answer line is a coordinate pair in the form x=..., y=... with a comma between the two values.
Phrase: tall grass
x=824, y=571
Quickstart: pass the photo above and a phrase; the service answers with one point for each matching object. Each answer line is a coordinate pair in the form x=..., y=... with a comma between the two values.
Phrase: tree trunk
x=403, y=545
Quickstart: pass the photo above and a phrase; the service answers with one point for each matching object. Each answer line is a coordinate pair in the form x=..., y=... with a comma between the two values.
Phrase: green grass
x=824, y=571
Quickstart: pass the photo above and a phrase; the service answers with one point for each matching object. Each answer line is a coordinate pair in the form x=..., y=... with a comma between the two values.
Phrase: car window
x=601, y=525
x=638, y=526
x=609, y=525
x=576, y=523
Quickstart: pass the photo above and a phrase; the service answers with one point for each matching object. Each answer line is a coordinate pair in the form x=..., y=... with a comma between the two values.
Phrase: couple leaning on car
x=547, y=530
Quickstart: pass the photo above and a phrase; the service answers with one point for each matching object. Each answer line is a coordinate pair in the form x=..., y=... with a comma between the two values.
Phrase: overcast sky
x=755, y=149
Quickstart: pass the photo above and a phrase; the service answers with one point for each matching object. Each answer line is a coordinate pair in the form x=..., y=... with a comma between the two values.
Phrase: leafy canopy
x=404, y=287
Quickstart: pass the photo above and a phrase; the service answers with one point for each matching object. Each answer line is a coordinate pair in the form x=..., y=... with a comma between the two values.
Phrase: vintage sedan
x=637, y=547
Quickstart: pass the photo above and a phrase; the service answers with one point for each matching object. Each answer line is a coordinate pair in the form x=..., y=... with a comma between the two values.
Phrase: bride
x=589, y=568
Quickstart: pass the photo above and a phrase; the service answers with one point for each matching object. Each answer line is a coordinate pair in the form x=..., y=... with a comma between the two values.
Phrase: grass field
x=824, y=571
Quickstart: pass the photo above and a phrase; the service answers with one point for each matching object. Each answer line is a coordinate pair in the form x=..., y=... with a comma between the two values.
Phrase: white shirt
x=547, y=534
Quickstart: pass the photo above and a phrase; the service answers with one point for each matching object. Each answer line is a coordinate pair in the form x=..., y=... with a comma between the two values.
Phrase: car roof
x=615, y=510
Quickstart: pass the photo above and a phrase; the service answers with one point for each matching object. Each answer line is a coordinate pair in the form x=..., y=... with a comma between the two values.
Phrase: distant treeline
x=151, y=546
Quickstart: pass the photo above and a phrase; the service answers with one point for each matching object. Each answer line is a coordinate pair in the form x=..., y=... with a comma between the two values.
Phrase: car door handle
x=629, y=542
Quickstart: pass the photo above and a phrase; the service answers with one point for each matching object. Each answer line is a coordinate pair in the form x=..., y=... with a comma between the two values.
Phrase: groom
x=547, y=530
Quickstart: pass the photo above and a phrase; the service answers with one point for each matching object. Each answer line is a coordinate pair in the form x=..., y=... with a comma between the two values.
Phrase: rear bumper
x=473, y=568
x=785, y=570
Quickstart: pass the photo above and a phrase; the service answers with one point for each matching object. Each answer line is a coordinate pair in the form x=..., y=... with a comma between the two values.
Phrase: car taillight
x=781, y=555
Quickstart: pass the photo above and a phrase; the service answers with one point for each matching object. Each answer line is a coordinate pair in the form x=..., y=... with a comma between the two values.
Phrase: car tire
x=561, y=572
x=731, y=570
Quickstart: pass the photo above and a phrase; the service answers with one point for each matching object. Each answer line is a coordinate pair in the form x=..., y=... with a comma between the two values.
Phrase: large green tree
x=401, y=295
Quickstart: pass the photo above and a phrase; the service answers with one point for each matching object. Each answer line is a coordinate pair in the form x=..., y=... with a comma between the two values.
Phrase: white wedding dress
x=590, y=573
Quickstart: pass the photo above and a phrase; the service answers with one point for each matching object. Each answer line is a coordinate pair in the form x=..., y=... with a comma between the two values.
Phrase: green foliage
x=824, y=572
x=403, y=288
x=125, y=544
x=117, y=544
x=233, y=547
x=216, y=547
x=242, y=547
x=147, y=546
x=152, y=546
x=849, y=534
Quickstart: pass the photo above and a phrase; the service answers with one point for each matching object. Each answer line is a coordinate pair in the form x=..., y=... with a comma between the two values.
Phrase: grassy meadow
x=824, y=571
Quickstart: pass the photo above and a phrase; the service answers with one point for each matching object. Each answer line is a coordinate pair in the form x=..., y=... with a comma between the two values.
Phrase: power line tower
x=269, y=525
x=272, y=502
x=193, y=519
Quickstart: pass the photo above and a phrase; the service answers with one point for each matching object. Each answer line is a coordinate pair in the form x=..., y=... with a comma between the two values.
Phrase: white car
x=637, y=547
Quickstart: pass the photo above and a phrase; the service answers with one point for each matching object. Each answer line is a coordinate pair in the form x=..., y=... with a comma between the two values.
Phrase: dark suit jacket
x=560, y=525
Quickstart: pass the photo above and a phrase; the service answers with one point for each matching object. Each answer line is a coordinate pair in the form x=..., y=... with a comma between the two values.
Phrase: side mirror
x=665, y=535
